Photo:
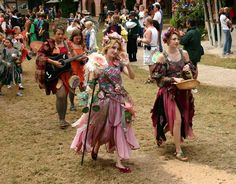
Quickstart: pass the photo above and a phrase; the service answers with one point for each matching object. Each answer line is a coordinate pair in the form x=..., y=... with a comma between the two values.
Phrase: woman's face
x=174, y=40
x=59, y=35
x=113, y=51
x=77, y=39
x=7, y=43
x=46, y=46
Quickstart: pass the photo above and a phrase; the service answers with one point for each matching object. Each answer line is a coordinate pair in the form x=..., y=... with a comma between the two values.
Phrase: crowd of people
x=173, y=109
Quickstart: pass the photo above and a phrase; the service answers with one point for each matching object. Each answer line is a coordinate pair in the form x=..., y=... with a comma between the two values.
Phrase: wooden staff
x=94, y=82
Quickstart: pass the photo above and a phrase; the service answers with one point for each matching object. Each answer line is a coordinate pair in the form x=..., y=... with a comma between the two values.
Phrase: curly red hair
x=170, y=31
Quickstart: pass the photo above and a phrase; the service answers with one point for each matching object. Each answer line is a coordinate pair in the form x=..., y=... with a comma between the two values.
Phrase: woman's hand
x=57, y=64
x=181, y=33
x=124, y=58
x=178, y=80
x=186, y=68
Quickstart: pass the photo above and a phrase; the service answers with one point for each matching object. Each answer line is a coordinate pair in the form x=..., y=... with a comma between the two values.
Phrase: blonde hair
x=88, y=24
x=111, y=44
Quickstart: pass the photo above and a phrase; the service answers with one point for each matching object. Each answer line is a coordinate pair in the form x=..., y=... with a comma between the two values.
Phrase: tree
x=211, y=13
x=67, y=7
x=184, y=11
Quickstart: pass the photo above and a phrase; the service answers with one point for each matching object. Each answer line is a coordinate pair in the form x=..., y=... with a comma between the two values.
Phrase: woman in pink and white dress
x=111, y=125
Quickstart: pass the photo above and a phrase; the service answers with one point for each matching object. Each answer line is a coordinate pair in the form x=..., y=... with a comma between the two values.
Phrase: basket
x=187, y=84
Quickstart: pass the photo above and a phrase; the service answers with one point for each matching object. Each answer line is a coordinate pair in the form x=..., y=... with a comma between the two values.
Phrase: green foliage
x=184, y=12
x=67, y=7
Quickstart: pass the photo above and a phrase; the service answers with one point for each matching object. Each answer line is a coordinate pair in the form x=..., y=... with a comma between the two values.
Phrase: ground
x=35, y=150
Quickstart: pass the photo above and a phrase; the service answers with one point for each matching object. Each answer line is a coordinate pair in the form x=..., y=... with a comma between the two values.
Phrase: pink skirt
x=106, y=127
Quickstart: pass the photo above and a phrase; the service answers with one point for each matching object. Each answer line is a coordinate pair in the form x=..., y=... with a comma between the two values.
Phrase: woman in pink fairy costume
x=111, y=125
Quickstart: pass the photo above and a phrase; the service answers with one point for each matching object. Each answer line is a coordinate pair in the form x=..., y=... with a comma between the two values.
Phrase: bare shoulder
x=185, y=54
x=161, y=59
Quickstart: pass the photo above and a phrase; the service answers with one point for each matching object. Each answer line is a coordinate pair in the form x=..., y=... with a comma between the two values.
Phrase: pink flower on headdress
x=107, y=38
x=171, y=30
x=115, y=35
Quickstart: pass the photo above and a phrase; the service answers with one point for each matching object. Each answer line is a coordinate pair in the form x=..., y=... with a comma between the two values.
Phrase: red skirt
x=163, y=112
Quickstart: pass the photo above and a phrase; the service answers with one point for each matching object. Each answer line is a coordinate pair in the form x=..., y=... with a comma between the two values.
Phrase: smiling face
x=113, y=51
x=77, y=39
x=59, y=35
x=173, y=41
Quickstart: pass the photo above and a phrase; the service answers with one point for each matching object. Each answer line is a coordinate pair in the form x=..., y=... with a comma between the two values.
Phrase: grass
x=218, y=61
x=34, y=150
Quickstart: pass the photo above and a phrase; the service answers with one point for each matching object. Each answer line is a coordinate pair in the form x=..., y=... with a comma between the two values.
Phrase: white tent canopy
x=53, y=1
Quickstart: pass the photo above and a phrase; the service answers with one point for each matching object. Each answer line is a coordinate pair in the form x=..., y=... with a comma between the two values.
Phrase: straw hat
x=85, y=12
x=36, y=45
x=187, y=84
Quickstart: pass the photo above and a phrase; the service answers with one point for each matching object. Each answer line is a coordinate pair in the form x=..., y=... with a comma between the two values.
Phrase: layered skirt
x=108, y=127
x=163, y=112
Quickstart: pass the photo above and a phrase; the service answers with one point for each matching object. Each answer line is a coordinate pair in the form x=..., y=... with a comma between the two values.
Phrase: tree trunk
x=211, y=22
x=217, y=24
x=207, y=23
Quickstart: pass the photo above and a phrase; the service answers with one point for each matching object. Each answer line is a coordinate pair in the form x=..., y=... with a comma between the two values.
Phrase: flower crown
x=166, y=36
x=112, y=36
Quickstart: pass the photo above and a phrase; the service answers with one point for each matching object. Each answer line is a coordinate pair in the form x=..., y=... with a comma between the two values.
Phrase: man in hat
x=132, y=37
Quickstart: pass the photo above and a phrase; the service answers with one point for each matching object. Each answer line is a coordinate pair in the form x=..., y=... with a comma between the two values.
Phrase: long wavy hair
x=110, y=44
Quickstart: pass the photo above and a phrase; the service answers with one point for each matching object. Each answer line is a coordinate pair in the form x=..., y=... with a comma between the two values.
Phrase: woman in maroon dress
x=60, y=85
x=173, y=109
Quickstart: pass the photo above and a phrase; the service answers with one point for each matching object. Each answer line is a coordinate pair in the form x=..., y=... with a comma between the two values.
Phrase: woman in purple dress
x=173, y=109
x=111, y=125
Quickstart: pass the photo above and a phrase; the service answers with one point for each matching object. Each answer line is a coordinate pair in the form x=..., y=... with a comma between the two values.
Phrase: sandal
x=123, y=169
x=148, y=81
x=64, y=124
x=180, y=156
x=72, y=108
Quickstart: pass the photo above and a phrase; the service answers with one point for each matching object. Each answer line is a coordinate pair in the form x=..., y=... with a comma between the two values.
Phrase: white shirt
x=223, y=22
x=141, y=18
x=157, y=17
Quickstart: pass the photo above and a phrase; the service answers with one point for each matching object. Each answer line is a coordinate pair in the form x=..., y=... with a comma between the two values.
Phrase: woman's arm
x=148, y=37
x=127, y=70
x=55, y=63
x=189, y=66
x=160, y=71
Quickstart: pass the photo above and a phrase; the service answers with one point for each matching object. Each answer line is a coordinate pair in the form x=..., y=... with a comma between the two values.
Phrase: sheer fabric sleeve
x=159, y=74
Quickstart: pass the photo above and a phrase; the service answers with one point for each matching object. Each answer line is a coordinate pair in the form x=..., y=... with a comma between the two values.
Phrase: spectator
x=191, y=40
x=133, y=33
x=150, y=44
x=226, y=25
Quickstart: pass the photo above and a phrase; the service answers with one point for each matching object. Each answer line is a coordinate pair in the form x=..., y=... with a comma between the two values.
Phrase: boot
x=134, y=57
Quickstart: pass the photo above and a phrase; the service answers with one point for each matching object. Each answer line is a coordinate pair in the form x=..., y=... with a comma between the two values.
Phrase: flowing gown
x=168, y=96
x=108, y=126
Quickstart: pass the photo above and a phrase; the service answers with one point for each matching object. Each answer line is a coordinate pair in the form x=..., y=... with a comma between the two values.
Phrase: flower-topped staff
x=95, y=65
